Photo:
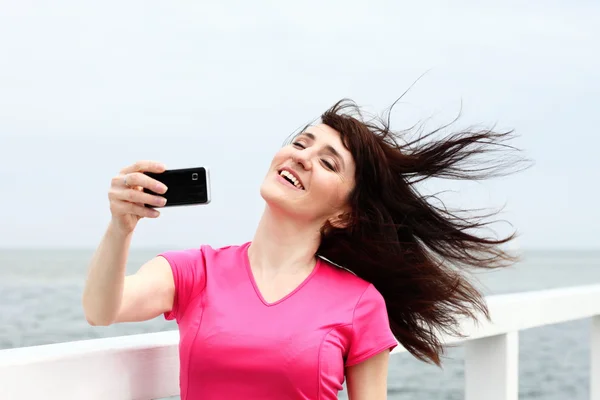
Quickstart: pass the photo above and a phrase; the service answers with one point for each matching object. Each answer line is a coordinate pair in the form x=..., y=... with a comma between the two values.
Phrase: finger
x=126, y=208
x=136, y=196
x=140, y=210
x=138, y=179
x=144, y=166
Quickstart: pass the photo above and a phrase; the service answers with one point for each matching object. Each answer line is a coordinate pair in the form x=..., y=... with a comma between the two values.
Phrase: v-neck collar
x=290, y=294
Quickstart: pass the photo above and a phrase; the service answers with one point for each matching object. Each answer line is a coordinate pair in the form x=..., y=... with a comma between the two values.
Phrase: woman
x=347, y=260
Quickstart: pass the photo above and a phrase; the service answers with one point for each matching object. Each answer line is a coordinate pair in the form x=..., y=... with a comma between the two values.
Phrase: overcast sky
x=87, y=88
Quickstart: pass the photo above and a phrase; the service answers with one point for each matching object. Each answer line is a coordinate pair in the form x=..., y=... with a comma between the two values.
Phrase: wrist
x=118, y=231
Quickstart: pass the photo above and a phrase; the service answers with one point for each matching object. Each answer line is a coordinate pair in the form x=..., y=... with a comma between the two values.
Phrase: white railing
x=147, y=366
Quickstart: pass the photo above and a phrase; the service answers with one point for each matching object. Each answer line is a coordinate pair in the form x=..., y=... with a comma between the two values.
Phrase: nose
x=303, y=159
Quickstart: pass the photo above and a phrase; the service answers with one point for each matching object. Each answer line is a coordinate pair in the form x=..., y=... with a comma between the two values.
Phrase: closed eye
x=298, y=144
x=328, y=165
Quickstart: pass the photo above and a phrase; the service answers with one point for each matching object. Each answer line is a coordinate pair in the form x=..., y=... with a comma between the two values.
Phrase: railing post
x=492, y=368
x=595, y=359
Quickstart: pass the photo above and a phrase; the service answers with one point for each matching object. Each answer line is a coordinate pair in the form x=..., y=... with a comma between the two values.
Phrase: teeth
x=292, y=178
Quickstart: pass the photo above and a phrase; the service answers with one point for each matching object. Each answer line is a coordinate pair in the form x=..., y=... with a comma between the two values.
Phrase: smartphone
x=185, y=187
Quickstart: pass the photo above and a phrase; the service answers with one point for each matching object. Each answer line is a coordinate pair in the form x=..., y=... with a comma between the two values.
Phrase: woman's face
x=311, y=178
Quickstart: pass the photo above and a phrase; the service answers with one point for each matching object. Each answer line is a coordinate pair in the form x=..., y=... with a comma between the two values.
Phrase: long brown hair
x=414, y=252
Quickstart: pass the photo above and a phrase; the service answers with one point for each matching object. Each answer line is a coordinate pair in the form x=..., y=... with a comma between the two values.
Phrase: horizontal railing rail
x=146, y=366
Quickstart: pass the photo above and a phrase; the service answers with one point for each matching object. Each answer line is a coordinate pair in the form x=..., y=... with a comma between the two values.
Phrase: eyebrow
x=329, y=148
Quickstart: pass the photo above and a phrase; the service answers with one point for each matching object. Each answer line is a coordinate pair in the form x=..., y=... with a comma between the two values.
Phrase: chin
x=281, y=198
x=274, y=196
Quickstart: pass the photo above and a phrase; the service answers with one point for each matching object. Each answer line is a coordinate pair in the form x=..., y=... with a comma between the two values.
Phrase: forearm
x=103, y=290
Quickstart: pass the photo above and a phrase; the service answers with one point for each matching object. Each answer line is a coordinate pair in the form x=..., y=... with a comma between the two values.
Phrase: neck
x=281, y=244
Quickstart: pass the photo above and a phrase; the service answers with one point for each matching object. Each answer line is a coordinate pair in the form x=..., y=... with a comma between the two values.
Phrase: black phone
x=186, y=186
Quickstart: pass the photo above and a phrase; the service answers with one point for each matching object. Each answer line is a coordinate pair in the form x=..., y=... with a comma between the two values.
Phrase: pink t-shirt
x=234, y=345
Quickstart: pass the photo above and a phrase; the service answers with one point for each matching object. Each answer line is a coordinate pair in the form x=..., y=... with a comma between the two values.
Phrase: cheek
x=280, y=156
x=334, y=190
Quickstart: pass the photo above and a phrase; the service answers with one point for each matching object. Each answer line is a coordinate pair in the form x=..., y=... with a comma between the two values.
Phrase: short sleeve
x=189, y=275
x=371, y=333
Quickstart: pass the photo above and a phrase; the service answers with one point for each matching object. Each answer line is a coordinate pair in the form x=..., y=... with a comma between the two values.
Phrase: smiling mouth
x=291, y=179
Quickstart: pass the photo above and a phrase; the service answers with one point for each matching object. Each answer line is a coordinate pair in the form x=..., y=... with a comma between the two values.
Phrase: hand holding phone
x=127, y=198
x=187, y=186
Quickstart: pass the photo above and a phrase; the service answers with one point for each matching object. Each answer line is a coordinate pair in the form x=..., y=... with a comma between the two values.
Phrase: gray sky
x=89, y=87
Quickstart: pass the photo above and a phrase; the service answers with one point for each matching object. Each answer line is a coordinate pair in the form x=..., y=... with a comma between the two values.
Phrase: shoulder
x=347, y=290
x=226, y=250
x=206, y=252
x=200, y=260
x=229, y=255
x=343, y=280
x=193, y=268
x=358, y=294
x=365, y=313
